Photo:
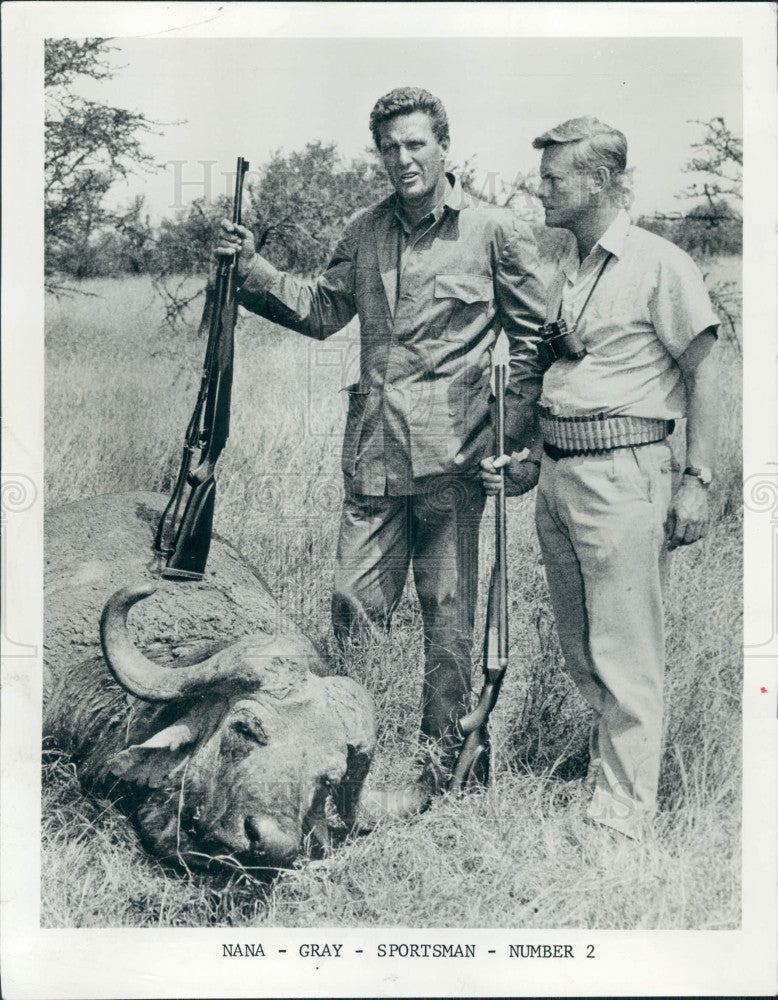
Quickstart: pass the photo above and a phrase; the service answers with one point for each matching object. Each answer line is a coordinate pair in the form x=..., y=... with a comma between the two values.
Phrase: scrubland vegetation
x=119, y=390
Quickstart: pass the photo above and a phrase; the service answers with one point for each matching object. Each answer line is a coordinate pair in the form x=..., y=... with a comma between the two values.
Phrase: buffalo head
x=256, y=752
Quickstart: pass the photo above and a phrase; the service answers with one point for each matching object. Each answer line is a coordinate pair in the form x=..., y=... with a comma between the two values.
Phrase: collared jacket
x=431, y=302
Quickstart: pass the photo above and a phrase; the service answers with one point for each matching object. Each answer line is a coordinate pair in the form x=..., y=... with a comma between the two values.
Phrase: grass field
x=119, y=390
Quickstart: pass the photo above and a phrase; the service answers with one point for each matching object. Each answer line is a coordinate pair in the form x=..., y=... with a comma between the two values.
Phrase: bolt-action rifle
x=475, y=749
x=183, y=540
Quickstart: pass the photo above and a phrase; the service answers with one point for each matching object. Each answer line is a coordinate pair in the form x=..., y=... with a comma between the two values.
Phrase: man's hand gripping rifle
x=475, y=725
x=183, y=541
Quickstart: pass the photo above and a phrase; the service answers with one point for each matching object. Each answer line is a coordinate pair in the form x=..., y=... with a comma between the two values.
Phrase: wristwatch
x=704, y=474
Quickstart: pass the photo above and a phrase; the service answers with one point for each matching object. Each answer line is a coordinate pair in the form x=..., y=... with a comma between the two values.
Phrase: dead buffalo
x=215, y=726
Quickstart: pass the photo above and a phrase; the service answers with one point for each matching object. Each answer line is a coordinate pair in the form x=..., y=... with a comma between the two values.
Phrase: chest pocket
x=468, y=288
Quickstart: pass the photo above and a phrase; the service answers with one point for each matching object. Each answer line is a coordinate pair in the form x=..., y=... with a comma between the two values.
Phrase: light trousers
x=600, y=521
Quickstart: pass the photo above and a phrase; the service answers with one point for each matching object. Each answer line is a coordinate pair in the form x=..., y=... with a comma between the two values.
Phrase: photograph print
x=393, y=512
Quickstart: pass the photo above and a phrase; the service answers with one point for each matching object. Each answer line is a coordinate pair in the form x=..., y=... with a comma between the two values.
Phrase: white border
x=143, y=963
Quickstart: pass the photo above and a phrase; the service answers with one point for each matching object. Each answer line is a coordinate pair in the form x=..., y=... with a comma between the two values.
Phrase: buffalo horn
x=149, y=680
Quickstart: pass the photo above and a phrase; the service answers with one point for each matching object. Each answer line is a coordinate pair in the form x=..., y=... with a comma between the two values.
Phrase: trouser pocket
x=652, y=468
x=357, y=406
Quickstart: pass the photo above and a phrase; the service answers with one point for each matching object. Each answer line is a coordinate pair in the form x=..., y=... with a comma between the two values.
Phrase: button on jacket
x=431, y=301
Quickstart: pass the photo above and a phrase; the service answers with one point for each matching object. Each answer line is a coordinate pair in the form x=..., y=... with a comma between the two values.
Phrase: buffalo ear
x=150, y=763
x=351, y=703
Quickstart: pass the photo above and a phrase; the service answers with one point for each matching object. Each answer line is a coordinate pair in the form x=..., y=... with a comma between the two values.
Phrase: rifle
x=475, y=749
x=183, y=541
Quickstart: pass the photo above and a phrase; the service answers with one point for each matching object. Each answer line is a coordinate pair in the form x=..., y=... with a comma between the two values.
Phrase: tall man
x=606, y=512
x=433, y=275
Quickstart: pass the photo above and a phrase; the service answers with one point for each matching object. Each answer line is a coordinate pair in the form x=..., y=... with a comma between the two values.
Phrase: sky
x=222, y=97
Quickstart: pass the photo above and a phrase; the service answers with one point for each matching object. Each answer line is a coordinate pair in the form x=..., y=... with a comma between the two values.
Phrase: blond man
x=631, y=336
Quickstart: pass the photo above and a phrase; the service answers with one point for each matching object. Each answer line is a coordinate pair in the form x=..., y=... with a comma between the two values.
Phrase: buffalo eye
x=250, y=730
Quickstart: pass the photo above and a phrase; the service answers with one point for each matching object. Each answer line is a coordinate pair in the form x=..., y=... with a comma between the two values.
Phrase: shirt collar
x=455, y=196
x=612, y=241
x=454, y=199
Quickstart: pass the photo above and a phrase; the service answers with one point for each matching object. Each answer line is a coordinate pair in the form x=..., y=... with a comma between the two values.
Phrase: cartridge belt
x=597, y=433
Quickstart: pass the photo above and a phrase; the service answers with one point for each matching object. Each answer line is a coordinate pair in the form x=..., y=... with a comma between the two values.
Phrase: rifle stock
x=495, y=661
x=187, y=560
x=475, y=724
x=184, y=540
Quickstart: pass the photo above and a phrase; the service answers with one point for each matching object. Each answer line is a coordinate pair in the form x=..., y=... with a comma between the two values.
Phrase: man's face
x=565, y=192
x=413, y=157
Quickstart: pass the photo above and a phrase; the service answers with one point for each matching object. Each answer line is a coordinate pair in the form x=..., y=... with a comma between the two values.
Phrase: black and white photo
x=375, y=510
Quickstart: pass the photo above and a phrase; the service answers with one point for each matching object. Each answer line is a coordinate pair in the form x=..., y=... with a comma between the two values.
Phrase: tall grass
x=119, y=390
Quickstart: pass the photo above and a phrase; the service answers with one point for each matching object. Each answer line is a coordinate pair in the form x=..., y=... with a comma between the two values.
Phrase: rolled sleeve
x=520, y=296
x=317, y=308
x=679, y=305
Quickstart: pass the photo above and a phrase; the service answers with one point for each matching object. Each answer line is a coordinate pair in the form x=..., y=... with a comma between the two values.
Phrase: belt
x=598, y=433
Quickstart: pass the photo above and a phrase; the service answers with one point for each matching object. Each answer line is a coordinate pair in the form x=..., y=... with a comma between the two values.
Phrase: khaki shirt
x=431, y=302
x=647, y=307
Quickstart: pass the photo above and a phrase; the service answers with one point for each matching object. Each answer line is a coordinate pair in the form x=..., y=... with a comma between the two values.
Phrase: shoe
x=376, y=805
x=606, y=845
x=438, y=764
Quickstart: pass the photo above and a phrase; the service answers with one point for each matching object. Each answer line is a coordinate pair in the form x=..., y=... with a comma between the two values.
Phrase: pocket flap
x=466, y=287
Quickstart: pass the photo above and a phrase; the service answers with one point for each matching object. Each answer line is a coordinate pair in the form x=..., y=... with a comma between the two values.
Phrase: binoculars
x=562, y=342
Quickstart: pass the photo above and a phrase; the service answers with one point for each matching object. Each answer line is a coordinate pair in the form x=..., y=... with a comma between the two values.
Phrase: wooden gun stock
x=188, y=558
x=184, y=540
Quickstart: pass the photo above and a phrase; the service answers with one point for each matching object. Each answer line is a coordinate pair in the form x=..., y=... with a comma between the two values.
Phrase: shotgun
x=475, y=749
x=183, y=540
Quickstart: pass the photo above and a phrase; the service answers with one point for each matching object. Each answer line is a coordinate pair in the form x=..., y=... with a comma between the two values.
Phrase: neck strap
x=591, y=292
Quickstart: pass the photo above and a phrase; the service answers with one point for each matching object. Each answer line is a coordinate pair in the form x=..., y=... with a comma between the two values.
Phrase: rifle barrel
x=501, y=554
x=474, y=725
x=184, y=539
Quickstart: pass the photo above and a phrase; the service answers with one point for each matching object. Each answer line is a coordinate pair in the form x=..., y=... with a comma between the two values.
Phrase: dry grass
x=119, y=392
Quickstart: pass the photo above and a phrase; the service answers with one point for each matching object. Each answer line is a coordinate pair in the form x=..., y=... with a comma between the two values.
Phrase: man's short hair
x=594, y=145
x=404, y=101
